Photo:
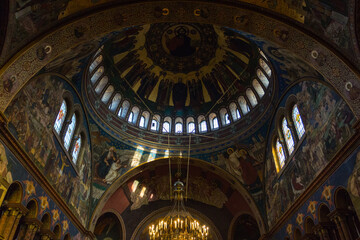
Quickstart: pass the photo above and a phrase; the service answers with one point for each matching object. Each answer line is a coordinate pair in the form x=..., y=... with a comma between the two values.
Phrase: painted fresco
x=328, y=122
x=108, y=227
x=113, y=158
x=157, y=188
x=12, y=170
x=325, y=194
x=31, y=116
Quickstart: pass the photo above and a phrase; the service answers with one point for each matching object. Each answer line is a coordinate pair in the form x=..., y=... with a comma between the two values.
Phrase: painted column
x=3, y=221
x=29, y=229
x=15, y=225
x=12, y=221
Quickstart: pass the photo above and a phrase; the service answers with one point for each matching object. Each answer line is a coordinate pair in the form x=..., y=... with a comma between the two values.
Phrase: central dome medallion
x=181, y=48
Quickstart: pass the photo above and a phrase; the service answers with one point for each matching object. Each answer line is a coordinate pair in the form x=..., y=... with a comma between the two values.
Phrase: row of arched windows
x=65, y=127
x=143, y=119
x=290, y=131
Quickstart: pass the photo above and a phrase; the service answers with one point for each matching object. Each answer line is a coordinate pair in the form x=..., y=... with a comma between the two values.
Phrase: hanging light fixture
x=178, y=224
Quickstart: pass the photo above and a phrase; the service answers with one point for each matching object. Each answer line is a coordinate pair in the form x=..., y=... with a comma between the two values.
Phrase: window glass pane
x=264, y=66
x=288, y=136
x=95, y=63
x=227, y=119
x=154, y=125
x=76, y=150
x=243, y=105
x=258, y=88
x=234, y=111
x=60, y=117
x=237, y=113
x=178, y=128
x=101, y=85
x=191, y=127
x=203, y=127
x=69, y=132
x=262, y=78
x=298, y=122
x=263, y=54
x=107, y=94
x=131, y=117
x=115, y=102
x=124, y=109
x=97, y=75
x=166, y=127
x=251, y=96
x=280, y=153
x=215, y=123
x=142, y=122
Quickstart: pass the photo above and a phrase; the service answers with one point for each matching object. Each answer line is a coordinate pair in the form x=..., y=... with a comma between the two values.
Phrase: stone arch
x=309, y=225
x=57, y=232
x=297, y=234
x=243, y=225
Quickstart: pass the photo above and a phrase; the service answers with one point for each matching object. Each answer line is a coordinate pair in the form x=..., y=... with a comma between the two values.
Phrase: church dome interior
x=116, y=114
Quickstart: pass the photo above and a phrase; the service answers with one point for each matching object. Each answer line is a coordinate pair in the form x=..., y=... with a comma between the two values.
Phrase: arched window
x=280, y=153
x=243, y=105
x=167, y=125
x=69, y=132
x=299, y=126
x=96, y=62
x=124, y=109
x=288, y=136
x=76, y=150
x=178, y=125
x=262, y=78
x=264, y=66
x=234, y=111
x=107, y=94
x=224, y=116
x=258, y=88
x=190, y=123
x=202, y=124
x=144, y=119
x=155, y=123
x=133, y=115
x=115, y=102
x=142, y=122
x=251, y=96
x=214, y=122
x=97, y=75
x=60, y=117
x=101, y=85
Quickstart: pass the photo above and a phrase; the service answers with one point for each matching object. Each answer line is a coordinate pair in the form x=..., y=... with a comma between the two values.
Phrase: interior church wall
x=11, y=170
x=346, y=176
x=328, y=124
x=31, y=116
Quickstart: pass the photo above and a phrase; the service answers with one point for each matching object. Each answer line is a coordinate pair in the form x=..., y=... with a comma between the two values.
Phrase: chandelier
x=178, y=224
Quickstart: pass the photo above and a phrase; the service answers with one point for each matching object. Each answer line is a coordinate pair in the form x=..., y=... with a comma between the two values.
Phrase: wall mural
x=328, y=122
x=12, y=170
x=113, y=158
x=325, y=194
x=31, y=116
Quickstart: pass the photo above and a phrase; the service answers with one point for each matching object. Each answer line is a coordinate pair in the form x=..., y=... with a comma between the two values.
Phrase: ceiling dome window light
x=197, y=94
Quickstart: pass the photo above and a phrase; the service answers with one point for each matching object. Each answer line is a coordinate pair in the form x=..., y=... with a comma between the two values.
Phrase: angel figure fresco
x=239, y=164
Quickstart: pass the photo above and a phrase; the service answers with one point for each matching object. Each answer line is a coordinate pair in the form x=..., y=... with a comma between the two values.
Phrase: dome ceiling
x=179, y=68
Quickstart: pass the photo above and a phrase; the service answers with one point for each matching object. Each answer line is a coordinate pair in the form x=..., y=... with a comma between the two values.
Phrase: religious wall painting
x=340, y=179
x=328, y=122
x=157, y=188
x=353, y=186
x=108, y=227
x=33, y=191
x=31, y=122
